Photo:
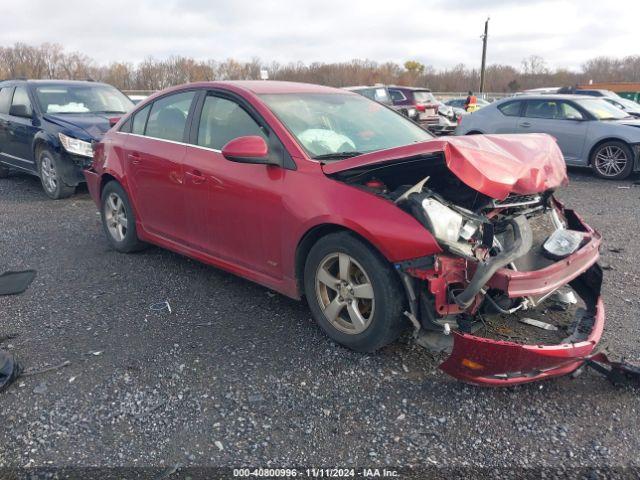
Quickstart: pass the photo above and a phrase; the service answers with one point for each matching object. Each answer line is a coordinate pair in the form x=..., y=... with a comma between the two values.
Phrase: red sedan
x=319, y=192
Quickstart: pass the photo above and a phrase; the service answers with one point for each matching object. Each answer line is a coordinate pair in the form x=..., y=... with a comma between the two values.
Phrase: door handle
x=525, y=124
x=196, y=176
x=134, y=157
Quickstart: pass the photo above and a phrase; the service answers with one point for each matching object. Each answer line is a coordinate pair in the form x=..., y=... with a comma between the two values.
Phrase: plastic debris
x=538, y=323
x=14, y=283
x=161, y=306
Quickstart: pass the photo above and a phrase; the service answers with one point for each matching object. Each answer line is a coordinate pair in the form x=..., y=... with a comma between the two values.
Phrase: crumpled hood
x=96, y=125
x=495, y=165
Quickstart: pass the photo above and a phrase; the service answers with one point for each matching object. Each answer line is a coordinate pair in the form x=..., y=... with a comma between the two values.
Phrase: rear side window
x=223, y=120
x=397, y=95
x=168, y=117
x=510, y=109
x=21, y=105
x=140, y=120
x=5, y=99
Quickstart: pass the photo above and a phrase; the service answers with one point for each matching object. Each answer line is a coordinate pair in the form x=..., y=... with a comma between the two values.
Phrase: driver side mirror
x=248, y=149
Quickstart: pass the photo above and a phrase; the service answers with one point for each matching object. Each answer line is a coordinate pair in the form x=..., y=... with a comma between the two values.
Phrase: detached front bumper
x=487, y=361
x=498, y=363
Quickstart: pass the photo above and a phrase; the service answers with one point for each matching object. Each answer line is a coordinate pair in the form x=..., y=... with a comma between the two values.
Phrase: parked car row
x=418, y=104
x=321, y=193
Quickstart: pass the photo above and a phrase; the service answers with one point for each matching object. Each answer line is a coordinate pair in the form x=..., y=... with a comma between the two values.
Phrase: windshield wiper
x=336, y=155
x=108, y=111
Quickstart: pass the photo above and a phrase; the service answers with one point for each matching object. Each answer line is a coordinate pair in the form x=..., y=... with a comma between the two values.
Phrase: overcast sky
x=441, y=33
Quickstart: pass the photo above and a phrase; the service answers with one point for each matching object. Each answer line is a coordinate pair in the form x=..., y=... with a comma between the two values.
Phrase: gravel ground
x=238, y=375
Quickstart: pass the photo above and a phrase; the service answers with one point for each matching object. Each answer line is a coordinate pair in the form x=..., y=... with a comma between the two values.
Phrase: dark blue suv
x=48, y=127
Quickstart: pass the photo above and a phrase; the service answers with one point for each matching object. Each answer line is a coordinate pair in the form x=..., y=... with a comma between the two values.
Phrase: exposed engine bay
x=515, y=275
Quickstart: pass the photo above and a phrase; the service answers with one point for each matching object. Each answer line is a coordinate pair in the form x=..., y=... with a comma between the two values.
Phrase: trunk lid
x=495, y=165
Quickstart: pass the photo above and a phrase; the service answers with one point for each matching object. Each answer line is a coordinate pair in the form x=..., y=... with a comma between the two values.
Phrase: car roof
x=544, y=96
x=51, y=81
x=413, y=89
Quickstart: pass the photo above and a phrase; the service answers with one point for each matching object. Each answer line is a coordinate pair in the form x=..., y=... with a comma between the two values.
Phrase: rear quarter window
x=510, y=109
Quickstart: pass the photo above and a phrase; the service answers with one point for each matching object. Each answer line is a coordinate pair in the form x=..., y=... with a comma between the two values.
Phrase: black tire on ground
x=612, y=160
x=473, y=132
x=386, y=321
x=49, y=173
x=4, y=171
x=118, y=219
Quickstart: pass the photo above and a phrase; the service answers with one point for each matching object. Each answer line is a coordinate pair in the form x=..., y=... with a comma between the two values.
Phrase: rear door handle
x=525, y=124
x=196, y=177
x=134, y=157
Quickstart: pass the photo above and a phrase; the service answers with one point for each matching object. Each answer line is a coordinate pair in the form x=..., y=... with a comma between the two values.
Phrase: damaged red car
x=321, y=193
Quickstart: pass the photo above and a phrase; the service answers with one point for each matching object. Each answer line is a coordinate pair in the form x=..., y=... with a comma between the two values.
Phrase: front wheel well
x=474, y=132
x=605, y=140
x=106, y=178
x=310, y=238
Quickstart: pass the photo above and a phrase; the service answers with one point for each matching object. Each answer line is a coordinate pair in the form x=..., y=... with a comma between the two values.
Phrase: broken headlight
x=449, y=226
x=562, y=243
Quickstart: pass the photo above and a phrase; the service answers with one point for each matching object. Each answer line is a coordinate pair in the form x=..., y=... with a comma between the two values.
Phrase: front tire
x=353, y=293
x=612, y=160
x=49, y=172
x=118, y=220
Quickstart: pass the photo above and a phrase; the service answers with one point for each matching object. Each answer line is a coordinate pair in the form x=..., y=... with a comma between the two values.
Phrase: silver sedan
x=589, y=131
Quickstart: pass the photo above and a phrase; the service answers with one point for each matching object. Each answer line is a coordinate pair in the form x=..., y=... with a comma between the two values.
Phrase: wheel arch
x=609, y=139
x=104, y=179
x=312, y=236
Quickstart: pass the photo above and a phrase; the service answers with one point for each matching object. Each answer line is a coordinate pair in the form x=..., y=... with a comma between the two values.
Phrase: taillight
x=420, y=108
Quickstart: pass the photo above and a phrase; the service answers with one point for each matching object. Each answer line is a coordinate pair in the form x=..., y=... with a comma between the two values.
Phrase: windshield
x=422, y=96
x=341, y=125
x=601, y=109
x=82, y=98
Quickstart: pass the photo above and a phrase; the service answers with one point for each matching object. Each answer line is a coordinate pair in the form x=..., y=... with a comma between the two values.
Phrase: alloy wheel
x=49, y=174
x=610, y=160
x=345, y=293
x=116, y=217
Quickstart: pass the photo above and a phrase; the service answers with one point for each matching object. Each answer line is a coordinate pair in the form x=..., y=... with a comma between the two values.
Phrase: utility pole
x=484, y=54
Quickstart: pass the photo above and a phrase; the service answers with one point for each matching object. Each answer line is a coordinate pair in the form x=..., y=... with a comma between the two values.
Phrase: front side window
x=542, y=109
x=21, y=105
x=510, y=109
x=81, y=98
x=569, y=112
x=5, y=99
x=339, y=125
x=223, y=120
x=168, y=117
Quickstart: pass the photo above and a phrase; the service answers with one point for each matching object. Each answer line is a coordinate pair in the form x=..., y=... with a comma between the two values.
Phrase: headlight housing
x=75, y=146
x=449, y=227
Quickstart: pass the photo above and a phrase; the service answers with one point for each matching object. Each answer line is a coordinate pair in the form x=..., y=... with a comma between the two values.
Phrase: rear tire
x=118, y=219
x=353, y=293
x=612, y=160
x=49, y=173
